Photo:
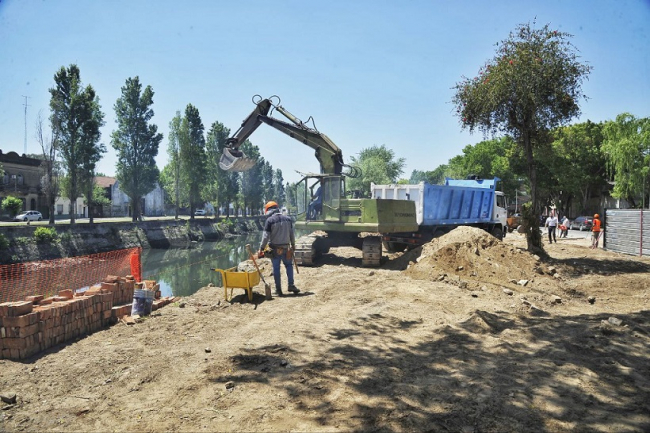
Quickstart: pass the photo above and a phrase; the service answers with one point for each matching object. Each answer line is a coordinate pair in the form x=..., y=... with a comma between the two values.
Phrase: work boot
x=293, y=289
x=278, y=291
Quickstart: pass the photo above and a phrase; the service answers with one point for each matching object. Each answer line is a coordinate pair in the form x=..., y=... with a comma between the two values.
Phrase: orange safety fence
x=48, y=277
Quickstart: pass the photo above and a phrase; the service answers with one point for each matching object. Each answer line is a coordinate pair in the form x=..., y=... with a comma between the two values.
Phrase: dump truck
x=441, y=208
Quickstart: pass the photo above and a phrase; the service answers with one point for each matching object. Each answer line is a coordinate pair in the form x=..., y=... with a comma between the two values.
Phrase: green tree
x=278, y=188
x=251, y=191
x=13, y=205
x=532, y=85
x=193, y=159
x=267, y=183
x=75, y=119
x=576, y=165
x=136, y=141
x=627, y=150
x=379, y=165
x=51, y=167
x=173, y=178
x=224, y=184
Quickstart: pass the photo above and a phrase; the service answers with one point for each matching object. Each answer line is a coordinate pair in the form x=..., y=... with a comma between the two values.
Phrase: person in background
x=280, y=237
x=595, y=231
x=564, y=227
x=551, y=223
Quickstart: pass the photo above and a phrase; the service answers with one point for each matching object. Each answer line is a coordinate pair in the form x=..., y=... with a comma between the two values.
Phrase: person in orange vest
x=595, y=232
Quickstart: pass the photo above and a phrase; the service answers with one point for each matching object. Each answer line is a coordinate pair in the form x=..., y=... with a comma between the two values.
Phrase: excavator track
x=371, y=249
x=307, y=252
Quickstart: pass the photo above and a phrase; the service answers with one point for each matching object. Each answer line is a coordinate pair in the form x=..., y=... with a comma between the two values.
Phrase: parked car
x=29, y=215
x=200, y=212
x=581, y=223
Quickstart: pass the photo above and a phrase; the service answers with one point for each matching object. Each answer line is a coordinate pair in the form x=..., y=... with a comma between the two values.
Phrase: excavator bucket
x=234, y=160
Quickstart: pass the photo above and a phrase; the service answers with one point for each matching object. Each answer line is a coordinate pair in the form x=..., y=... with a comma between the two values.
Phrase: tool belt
x=281, y=251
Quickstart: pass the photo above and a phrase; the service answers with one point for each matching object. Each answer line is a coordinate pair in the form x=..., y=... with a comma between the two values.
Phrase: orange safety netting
x=49, y=277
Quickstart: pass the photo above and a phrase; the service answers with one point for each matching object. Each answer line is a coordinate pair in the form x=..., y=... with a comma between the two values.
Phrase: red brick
x=14, y=343
x=20, y=308
x=21, y=321
x=35, y=299
x=46, y=301
x=110, y=287
x=28, y=330
x=68, y=294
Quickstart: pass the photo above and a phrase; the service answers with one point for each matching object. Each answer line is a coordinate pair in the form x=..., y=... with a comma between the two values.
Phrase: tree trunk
x=90, y=200
x=531, y=218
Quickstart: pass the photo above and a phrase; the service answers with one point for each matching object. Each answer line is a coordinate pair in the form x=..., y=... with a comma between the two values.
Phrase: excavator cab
x=319, y=198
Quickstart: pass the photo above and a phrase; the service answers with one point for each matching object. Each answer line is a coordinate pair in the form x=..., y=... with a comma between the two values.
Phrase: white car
x=200, y=212
x=29, y=215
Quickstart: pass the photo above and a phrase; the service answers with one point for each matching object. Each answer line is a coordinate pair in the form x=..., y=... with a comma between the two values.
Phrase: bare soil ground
x=443, y=338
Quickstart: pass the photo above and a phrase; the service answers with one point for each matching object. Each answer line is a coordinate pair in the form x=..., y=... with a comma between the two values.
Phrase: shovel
x=267, y=287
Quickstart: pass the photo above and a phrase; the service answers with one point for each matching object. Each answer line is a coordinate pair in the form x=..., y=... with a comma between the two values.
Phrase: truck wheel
x=520, y=229
x=497, y=233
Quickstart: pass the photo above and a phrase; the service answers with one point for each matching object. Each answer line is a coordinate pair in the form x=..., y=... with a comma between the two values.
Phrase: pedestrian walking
x=564, y=227
x=551, y=223
x=280, y=237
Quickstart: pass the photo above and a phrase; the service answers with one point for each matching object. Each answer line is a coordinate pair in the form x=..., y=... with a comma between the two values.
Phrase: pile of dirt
x=474, y=254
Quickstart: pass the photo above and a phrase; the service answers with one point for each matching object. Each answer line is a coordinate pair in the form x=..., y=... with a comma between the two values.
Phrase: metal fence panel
x=627, y=231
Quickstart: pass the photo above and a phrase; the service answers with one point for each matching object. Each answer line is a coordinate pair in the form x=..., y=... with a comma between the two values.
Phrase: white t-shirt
x=551, y=221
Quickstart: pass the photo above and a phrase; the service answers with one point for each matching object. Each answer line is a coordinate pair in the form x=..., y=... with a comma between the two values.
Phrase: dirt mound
x=474, y=254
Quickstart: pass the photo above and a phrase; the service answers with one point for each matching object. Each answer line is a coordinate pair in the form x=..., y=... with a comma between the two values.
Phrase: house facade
x=22, y=179
x=152, y=204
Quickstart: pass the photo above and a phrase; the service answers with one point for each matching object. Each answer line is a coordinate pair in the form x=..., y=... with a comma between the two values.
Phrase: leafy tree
x=378, y=165
x=291, y=190
x=251, y=191
x=75, y=119
x=192, y=154
x=225, y=184
x=13, y=205
x=278, y=188
x=627, y=150
x=576, y=165
x=267, y=183
x=434, y=177
x=173, y=178
x=136, y=141
x=532, y=85
x=51, y=168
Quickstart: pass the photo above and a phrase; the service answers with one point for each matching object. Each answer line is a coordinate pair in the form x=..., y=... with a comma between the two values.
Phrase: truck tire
x=497, y=233
x=520, y=229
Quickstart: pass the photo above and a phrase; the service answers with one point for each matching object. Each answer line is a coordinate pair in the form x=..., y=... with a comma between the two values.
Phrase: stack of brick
x=121, y=287
x=26, y=329
x=36, y=324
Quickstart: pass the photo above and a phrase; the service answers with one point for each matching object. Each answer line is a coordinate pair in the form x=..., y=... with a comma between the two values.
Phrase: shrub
x=4, y=242
x=45, y=235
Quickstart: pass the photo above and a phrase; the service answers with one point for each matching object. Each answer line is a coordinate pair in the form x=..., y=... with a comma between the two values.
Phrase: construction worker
x=595, y=231
x=279, y=236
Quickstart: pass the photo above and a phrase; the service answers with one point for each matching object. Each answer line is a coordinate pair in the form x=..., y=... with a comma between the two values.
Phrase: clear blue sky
x=370, y=72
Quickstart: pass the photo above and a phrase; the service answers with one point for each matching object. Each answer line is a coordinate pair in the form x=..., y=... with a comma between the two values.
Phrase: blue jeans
x=288, y=265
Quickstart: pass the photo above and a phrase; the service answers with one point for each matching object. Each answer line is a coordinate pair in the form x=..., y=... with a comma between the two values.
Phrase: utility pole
x=25, y=104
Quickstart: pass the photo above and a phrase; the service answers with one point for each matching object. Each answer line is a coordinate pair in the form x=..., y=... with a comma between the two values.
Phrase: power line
x=25, y=104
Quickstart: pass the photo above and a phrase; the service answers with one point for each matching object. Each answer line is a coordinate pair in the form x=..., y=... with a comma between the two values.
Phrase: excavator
x=327, y=209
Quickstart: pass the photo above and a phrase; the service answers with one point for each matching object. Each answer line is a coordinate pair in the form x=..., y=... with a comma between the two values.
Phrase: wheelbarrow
x=233, y=279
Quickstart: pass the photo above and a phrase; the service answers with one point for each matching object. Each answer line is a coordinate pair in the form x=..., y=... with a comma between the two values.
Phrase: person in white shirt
x=565, y=225
x=551, y=223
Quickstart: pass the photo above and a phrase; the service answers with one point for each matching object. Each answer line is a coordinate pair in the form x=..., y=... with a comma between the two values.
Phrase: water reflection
x=181, y=272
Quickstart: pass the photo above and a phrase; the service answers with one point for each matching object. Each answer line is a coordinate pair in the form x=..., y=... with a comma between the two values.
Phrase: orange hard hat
x=269, y=205
x=596, y=216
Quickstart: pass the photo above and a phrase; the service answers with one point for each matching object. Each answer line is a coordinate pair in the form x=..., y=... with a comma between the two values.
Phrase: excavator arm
x=327, y=153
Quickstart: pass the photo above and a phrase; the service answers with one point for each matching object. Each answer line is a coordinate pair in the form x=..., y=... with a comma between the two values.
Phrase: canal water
x=181, y=272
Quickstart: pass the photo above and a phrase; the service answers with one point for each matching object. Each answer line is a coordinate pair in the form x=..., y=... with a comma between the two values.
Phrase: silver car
x=29, y=215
